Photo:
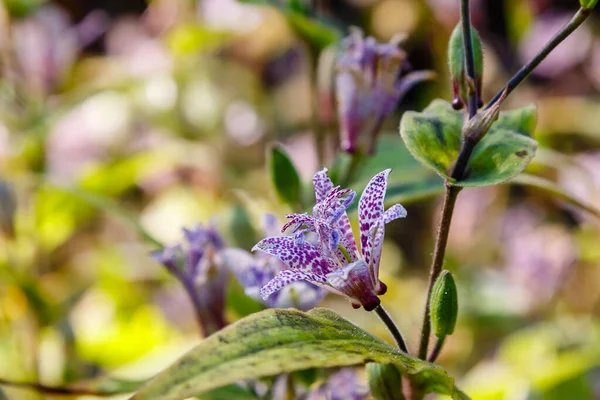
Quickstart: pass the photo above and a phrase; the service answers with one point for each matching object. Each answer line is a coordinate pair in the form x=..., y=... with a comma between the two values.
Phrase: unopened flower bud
x=444, y=305
x=480, y=124
x=385, y=381
x=456, y=60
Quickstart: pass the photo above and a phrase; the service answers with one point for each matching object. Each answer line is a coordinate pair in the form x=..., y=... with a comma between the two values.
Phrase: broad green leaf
x=229, y=392
x=434, y=137
x=522, y=120
x=277, y=341
x=285, y=178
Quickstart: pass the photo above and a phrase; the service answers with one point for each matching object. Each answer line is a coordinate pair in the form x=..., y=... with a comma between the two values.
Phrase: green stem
x=465, y=16
x=389, y=323
x=575, y=22
x=437, y=349
x=438, y=261
x=353, y=168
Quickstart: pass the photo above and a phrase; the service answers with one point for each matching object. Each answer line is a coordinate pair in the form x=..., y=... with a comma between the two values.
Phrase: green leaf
x=551, y=188
x=284, y=176
x=277, y=341
x=433, y=137
x=588, y=4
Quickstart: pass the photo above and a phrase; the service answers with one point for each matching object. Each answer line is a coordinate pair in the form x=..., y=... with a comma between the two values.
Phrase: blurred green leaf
x=589, y=4
x=285, y=178
x=193, y=38
x=276, y=341
x=22, y=8
x=316, y=32
x=434, y=136
x=551, y=188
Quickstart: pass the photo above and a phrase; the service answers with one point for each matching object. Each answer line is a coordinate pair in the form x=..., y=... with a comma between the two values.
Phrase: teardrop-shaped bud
x=456, y=62
x=385, y=381
x=444, y=305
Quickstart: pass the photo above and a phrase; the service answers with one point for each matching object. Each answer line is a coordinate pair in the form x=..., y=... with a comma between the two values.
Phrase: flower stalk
x=389, y=323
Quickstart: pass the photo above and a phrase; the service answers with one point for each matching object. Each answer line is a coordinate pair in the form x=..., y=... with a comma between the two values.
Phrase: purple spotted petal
x=347, y=237
x=288, y=277
x=370, y=209
x=394, y=212
x=301, y=257
x=376, y=241
x=323, y=185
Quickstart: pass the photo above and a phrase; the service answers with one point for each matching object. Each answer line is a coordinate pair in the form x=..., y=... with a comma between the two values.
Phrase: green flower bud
x=444, y=305
x=456, y=62
x=588, y=4
x=385, y=381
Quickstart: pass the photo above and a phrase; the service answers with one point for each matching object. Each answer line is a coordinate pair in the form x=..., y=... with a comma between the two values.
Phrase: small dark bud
x=385, y=381
x=444, y=305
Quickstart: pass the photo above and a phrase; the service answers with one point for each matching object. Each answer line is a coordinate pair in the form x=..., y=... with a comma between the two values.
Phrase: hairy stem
x=437, y=349
x=465, y=16
x=387, y=320
x=578, y=19
x=438, y=261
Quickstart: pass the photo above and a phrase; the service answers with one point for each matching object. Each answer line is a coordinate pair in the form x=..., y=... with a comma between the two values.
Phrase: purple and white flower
x=195, y=265
x=334, y=261
x=253, y=271
x=369, y=83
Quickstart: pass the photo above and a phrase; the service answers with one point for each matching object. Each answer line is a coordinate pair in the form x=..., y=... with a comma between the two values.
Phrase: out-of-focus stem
x=575, y=22
x=436, y=350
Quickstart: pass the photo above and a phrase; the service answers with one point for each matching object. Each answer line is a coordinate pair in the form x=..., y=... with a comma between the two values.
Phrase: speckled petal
x=370, y=209
x=376, y=241
x=394, y=212
x=354, y=281
x=301, y=257
x=288, y=277
x=323, y=185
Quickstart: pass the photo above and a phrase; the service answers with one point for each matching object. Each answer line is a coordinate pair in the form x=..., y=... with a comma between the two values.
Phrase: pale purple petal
x=288, y=277
x=371, y=209
x=301, y=257
x=394, y=212
x=354, y=281
x=323, y=185
x=347, y=237
x=270, y=225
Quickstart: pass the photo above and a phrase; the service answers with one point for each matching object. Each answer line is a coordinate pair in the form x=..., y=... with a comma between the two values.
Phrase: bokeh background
x=121, y=119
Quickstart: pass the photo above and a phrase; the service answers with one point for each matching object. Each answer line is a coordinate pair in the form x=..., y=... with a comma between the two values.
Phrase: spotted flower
x=195, y=265
x=370, y=80
x=334, y=261
x=253, y=271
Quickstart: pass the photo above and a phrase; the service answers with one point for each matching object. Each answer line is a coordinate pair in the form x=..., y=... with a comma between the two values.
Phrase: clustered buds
x=369, y=83
x=444, y=305
x=461, y=86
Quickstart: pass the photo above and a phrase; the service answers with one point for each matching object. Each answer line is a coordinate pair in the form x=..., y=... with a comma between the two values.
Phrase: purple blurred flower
x=334, y=261
x=253, y=271
x=195, y=266
x=369, y=84
x=342, y=385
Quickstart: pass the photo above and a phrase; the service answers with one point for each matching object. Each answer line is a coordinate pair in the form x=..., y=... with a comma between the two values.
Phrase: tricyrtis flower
x=195, y=265
x=334, y=261
x=369, y=83
x=253, y=271
x=342, y=385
